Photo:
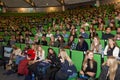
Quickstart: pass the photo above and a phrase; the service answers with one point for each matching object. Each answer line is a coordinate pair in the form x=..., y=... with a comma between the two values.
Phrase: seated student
x=73, y=33
x=55, y=64
x=67, y=70
x=111, y=48
x=49, y=34
x=40, y=53
x=96, y=47
x=16, y=52
x=60, y=42
x=110, y=69
x=82, y=44
x=107, y=34
x=117, y=36
x=36, y=40
x=93, y=33
x=71, y=44
x=89, y=67
x=83, y=33
x=44, y=41
x=52, y=41
x=23, y=66
x=64, y=34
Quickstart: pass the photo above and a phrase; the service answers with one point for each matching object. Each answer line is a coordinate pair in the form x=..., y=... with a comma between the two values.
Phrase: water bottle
x=33, y=77
x=102, y=53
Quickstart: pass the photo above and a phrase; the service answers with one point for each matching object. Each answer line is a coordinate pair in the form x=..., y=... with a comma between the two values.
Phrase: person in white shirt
x=111, y=48
x=49, y=34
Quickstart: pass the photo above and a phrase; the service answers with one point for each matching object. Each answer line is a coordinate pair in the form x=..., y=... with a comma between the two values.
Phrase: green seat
x=48, y=40
x=66, y=39
x=102, y=42
x=0, y=57
x=113, y=32
x=105, y=58
x=18, y=45
x=22, y=46
x=45, y=48
x=97, y=58
x=77, y=58
x=34, y=31
x=88, y=32
x=56, y=49
x=118, y=43
x=99, y=34
x=76, y=40
x=1, y=33
x=89, y=42
x=6, y=38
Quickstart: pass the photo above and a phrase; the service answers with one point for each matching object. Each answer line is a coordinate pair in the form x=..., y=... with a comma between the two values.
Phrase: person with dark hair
x=83, y=33
x=60, y=42
x=44, y=41
x=73, y=33
x=107, y=34
x=55, y=64
x=82, y=44
x=57, y=34
x=70, y=43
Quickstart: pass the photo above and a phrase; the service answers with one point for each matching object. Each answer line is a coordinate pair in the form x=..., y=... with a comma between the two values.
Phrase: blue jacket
x=68, y=69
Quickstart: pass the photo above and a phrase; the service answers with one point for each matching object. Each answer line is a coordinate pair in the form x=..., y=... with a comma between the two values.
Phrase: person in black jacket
x=89, y=66
x=55, y=64
x=82, y=44
x=110, y=69
x=107, y=34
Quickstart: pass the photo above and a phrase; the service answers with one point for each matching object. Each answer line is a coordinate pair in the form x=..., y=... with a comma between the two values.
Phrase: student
x=70, y=43
x=107, y=34
x=82, y=44
x=40, y=53
x=54, y=61
x=89, y=66
x=96, y=47
x=110, y=69
x=67, y=69
x=60, y=42
x=111, y=48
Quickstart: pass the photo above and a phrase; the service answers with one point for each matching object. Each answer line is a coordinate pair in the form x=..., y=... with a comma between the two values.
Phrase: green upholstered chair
x=89, y=42
x=45, y=48
x=99, y=34
x=22, y=46
x=77, y=58
x=97, y=58
x=118, y=43
x=102, y=42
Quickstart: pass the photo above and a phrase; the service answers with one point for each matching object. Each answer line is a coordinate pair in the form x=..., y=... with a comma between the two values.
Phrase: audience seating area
x=76, y=56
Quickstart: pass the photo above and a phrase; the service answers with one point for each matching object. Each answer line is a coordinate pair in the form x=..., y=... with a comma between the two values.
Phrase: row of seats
x=76, y=56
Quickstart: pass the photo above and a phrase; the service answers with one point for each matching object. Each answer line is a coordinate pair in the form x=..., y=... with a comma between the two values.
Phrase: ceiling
x=38, y=3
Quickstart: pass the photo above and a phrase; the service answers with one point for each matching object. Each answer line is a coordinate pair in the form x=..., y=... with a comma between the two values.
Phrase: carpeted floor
x=13, y=76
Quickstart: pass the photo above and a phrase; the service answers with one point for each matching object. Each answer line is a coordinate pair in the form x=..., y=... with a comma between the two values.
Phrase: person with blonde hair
x=96, y=47
x=67, y=69
x=89, y=67
x=40, y=53
x=111, y=48
x=110, y=69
